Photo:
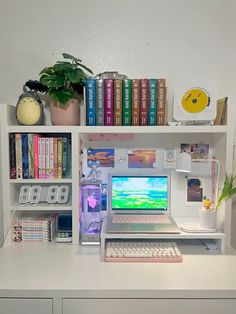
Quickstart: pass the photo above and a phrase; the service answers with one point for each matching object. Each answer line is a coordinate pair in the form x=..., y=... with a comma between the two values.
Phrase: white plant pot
x=207, y=218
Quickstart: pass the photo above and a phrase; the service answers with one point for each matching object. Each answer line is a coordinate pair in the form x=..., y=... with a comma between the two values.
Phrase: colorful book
x=51, y=156
x=42, y=157
x=161, y=102
x=68, y=158
x=144, y=103
x=126, y=101
x=118, y=102
x=108, y=102
x=59, y=157
x=47, y=157
x=25, y=159
x=19, y=172
x=100, y=102
x=152, y=102
x=64, y=156
x=12, y=154
x=90, y=85
x=31, y=155
x=55, y=158
x=36, y=154
x=135, y=101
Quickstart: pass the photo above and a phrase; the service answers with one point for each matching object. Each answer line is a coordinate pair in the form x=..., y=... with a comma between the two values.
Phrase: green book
x=126, y=101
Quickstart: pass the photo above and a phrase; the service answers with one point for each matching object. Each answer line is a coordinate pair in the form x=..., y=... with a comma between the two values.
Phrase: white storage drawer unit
x=150, y=306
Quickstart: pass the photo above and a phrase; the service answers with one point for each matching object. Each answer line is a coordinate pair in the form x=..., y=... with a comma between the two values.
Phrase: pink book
x=108, y=102
x=143, y=113
x=36, y=155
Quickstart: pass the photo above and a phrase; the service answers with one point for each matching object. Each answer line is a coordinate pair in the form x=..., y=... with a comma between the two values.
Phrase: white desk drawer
x=23, y=306
x=150, y=306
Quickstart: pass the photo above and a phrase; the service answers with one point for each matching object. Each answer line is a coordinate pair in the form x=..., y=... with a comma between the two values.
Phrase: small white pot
x=207, y=218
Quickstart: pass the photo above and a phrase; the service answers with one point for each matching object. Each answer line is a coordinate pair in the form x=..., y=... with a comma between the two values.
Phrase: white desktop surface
x=50, y=270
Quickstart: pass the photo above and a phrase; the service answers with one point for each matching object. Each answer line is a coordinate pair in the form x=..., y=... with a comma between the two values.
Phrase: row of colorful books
x=33, y=156
x=125, y=102
x=36, y=229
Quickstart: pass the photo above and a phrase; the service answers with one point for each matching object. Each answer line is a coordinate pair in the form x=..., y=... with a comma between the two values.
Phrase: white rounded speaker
x=194, y=104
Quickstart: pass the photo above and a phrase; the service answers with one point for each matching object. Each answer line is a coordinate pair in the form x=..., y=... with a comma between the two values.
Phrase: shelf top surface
x=120, y=129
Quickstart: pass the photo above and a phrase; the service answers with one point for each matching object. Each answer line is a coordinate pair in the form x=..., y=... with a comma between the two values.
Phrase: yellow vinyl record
x=195, y=100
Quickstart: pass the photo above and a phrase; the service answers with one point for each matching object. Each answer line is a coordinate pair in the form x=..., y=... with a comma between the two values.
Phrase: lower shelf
x=190, y=242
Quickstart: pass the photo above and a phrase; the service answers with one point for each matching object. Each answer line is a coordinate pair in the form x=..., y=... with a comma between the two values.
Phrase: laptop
x=139, y=203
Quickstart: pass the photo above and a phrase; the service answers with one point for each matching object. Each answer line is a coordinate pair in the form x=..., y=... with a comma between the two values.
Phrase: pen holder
x=207, y=218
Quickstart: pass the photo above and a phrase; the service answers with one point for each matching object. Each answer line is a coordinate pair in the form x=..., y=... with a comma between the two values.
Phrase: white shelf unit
x=220, y=139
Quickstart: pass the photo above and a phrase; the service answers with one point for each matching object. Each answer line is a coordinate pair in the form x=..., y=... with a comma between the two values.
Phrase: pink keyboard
x=140, y=219
x=153, y=251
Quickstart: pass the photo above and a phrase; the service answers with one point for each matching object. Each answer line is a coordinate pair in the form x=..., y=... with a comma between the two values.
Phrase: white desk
x=69, y=279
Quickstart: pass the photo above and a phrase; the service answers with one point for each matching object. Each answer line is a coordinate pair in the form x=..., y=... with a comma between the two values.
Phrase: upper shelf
x=119, y=129
x=11, y=125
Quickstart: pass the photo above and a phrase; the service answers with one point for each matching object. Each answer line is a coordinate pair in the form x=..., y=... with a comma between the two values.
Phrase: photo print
x=105, y=156
x=194, y=190
x=142, y=158
x=197, y=151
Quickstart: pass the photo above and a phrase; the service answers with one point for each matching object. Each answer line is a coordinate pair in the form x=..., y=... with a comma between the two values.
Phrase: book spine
x=90, y=101
x=55, y=158
x=12, y=155
x=64, y=157
x=47, y=157
x=18, y=156
x=25, y=160
x=127, y=101
x=51, y=156
x=100, y=102
x=152, y=102
x=68, y=158
x=42, y=160
x=31, y=155
x=108, y=102
x=118, y=102
x=135, y=101
x=36, y=155
x=144, y=102
x=161, y=102
x=59, y=157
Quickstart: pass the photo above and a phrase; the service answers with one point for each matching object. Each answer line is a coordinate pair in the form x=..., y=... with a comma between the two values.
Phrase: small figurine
x=207, y=203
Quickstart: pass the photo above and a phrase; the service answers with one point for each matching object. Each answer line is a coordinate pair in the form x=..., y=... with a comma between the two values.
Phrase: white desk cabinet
x=150, y=306
x=23, y=306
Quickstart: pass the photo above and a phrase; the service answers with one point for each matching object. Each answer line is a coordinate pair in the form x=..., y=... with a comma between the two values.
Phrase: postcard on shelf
x=142, y=158
x=221, y=111
x=169, y=158
x=197, y=151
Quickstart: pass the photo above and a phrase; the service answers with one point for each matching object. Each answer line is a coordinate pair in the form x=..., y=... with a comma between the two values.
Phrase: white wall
x=190, y=40
x=176, y=39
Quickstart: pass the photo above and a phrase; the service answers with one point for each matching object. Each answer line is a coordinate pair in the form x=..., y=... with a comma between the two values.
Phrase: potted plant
x=64, y=82
x=208, y=212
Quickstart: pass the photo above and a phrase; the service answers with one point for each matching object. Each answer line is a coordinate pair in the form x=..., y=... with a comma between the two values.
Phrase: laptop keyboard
x=140, y=219
x=154, y=251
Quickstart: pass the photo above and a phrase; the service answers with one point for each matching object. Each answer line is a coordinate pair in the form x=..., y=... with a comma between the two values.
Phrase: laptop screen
x=139, y=193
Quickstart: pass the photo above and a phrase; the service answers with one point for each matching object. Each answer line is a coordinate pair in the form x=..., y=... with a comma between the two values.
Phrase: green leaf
x=47, y=70
x=75, y=76
x=228, y=190
x=52, y=81
x=84, y=67
x=61, y=95
x=68, y=56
